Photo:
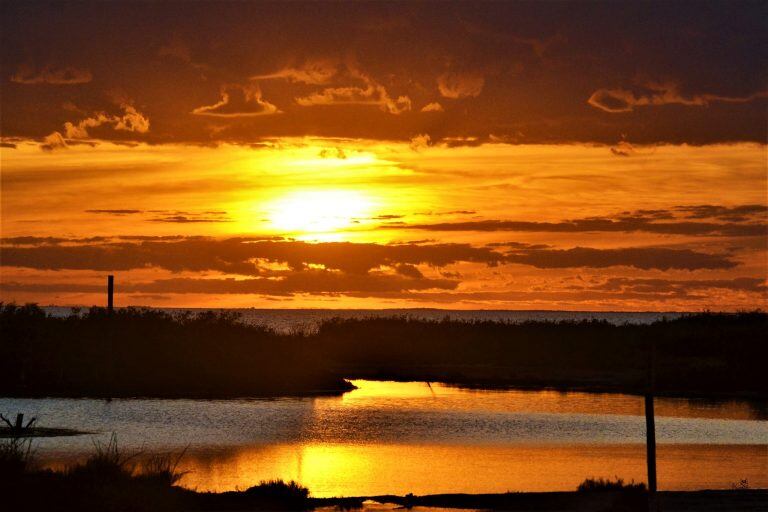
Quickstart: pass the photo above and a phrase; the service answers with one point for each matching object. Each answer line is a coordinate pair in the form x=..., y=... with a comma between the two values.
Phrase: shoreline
x=132, y=353
x=744, y=500
x=503, y=385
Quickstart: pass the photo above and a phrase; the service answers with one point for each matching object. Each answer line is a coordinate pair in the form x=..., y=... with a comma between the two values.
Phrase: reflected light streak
x=332, y=469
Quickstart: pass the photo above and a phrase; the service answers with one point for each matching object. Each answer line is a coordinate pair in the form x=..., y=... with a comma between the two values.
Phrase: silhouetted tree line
x=142, y=352
x=698, y=354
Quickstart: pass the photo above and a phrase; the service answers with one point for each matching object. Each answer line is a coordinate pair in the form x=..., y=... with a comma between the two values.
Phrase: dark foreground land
x=83, y=490
x=138, y=352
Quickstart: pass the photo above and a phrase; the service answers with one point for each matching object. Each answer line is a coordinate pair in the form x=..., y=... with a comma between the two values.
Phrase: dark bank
x=135, y=352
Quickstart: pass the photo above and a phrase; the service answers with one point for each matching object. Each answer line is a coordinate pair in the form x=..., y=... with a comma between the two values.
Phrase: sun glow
x=319, y=211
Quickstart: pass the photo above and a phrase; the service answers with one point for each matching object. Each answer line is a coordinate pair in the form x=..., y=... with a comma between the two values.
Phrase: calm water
x=284, y=320
x=390, y=437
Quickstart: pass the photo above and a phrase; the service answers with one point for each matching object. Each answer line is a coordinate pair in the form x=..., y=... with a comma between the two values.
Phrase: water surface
x=388, y=437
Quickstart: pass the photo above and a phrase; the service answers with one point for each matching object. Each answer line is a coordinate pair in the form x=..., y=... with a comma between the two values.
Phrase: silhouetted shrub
x=606, y=484
x=279, y=494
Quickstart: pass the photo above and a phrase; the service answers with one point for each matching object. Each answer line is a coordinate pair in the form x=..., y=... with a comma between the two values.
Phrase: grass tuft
x=15, y=457
x=163, y=468
x=106, y=463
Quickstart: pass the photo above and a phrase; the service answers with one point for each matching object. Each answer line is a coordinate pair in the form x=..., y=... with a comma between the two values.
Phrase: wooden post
x=110, y=292
x=650, y=433
x=650, y=429
x=19, y=422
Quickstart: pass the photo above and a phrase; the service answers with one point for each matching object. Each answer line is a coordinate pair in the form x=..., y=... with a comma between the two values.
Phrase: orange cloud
x=460, y=85
x=433, y=107
x=53, y=142
x=622, y=100
x=370, y=93
x=67, y=75
x=238, y=101
x=316, y=72
x=131, y=121
x=420, y=142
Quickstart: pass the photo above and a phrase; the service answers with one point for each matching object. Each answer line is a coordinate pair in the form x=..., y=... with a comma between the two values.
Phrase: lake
x=396, y=438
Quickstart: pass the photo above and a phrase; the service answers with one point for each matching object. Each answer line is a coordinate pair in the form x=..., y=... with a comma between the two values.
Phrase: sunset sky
x=583, y=156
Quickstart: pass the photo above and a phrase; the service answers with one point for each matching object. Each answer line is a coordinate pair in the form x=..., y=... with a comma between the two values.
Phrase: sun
x=318, y=211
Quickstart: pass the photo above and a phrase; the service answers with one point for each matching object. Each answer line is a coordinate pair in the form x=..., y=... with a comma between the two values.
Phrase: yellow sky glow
x=327, y=190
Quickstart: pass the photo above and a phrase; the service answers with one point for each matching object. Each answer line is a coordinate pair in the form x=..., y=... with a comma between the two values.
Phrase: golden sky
x=538, y=165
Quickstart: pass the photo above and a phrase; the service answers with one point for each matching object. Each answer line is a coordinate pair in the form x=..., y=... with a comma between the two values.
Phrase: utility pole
x=650, y=429
x=110, y=293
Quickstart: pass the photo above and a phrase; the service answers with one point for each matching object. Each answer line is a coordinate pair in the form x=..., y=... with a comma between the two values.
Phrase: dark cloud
x=321, y=282
x=387, y=216
x=649, y=221
x=306, y=281
x=409, y=271
x=186, y=219
x=32, y=240
x=241, y=256
x=644, y=258
x=732, y=213
x=618, y=101
x=529, y=84
x=460, y=85
x=623, y=148
x=52, y=75
x=682, y=287
x=159, y=238
x=115, y=212
x=238, y=255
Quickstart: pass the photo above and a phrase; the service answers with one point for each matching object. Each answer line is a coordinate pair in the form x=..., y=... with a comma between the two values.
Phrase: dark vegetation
x=139, y=352
x=606, y=484
x=110, y=480
x=705, y=354
x=614, y=500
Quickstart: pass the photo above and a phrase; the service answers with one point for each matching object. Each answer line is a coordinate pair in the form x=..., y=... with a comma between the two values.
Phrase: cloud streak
x=131, y=120
x=370, y=92
x=301, y=282
x=67, y=75
x=644, y=258
x=313, y=72
x=242, y=256
x=460, y=85
x=662, y=222
x=238, y=101
x=618, y=101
